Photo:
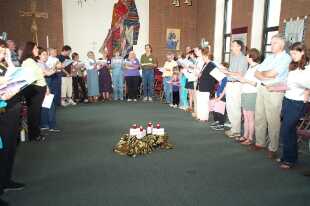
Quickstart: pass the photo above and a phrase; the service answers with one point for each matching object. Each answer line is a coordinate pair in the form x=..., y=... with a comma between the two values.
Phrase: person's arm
x=306, y=95
x=3, y=80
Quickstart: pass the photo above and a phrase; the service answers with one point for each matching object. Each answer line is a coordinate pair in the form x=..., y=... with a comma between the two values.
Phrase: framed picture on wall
x=173, y=39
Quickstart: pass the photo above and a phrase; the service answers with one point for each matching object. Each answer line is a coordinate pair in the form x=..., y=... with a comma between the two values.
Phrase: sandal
x=286, y=166
x=242, y=139
x=247, y=142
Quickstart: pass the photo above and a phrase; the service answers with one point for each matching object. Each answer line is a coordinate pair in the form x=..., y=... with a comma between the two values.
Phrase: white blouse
x=250, y=76
x=90, y=64
x=297, y=81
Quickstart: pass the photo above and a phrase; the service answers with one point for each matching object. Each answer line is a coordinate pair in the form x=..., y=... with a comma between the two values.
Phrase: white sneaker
x=135, y=100
x=71, y=102
x=129, y=100
x=64, y=103
x=170, y=105
x=150, y=99
x=144, y=99
x=227, y=124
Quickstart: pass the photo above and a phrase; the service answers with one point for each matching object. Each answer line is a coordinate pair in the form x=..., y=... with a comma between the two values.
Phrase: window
x=271, y=24
x=227, y=30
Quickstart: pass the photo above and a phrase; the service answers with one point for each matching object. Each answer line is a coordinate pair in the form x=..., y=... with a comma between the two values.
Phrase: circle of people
x=270, y=95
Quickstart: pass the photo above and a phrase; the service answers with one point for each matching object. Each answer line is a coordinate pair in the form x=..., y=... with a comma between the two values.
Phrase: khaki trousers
x=267, y=117
x=233, y=105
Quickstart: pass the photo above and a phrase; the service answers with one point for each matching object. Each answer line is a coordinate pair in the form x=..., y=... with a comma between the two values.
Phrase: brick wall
x=18, y=28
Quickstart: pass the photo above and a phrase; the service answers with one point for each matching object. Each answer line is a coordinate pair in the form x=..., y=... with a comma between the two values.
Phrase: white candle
x=47, y=42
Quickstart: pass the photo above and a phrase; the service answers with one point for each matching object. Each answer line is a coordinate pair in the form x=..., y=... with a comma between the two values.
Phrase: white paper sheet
x=48, y=100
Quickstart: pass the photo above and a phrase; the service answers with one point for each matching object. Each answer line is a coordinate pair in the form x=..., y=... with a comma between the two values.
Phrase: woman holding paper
x=9, y=127
x=248, y=97
x=205, y=85
x=34, y=93
x=132, y=76
x=92, y=77
x=48, y=115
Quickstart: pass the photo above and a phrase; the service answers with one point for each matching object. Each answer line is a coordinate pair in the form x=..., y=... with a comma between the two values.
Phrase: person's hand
x=3, y=80
x=47, y=92
x=8, y=95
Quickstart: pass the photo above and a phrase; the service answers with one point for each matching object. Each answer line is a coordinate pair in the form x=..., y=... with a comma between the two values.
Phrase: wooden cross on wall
x=34, y=14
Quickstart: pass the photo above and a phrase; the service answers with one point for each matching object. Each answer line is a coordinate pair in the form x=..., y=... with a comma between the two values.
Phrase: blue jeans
x=167, y=90
x=48, y=117
x=292, y=111
x=118, y=83
x=148, y=82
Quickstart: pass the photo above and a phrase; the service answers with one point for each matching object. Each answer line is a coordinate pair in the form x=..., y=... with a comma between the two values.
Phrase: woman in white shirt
x=294, y=104
x=35, y=93
x=248, y=96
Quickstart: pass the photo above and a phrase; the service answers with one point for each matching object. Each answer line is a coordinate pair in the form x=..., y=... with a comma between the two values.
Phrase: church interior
x=154, y=102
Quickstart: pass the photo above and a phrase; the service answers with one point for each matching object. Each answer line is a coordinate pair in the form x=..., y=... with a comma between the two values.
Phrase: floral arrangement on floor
x=141, y=142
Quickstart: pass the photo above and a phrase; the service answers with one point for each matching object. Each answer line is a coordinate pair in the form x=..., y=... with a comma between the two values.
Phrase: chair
x=303, y=130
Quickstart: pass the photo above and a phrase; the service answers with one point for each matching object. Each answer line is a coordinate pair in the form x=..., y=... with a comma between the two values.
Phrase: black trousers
x=78, y=82
x=175, y=97
x=132, y=86
x=9, y=133
x=34, y=96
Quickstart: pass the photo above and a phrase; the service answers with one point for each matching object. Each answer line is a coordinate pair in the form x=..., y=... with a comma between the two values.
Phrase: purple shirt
x=134, y=68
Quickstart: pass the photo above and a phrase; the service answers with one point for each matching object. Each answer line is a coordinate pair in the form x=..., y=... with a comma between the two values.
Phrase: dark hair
x=300, y=47
x=149, y=45
x=206, y=52
x=74, y=55
x=240, y=43
x=3, y=44
x=225, y=64
x=41, y=50
x=66, y=48
x=254, y=54
x=27, y=51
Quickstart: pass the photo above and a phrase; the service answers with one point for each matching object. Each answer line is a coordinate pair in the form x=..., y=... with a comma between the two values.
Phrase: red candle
x=158, y=125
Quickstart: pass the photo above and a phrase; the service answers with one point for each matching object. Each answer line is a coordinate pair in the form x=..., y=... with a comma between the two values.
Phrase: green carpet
x=78, y=168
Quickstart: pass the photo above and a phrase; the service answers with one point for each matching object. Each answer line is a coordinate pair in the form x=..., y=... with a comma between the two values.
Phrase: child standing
x=175, y=84
x=219, y=119
x=167, y=74
x=92, y=77
x=183, y=90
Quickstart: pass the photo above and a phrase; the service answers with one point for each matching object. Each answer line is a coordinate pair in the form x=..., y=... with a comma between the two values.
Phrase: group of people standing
x=270, y=95
x=264, y=100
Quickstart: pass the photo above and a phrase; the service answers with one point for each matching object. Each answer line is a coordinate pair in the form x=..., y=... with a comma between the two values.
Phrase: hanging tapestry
x=294, y=31
x=124, y=31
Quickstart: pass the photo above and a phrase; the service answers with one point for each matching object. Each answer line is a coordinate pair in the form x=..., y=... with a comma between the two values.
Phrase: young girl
x=48, y=116
x=167, y=74
x=183, y=90
x=105, y=81
x=191, y=78
x=117, y=76
x=92, y=77
x=175, y=85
